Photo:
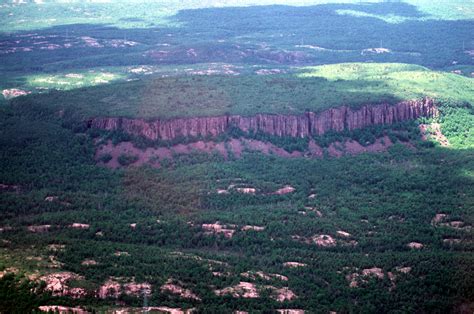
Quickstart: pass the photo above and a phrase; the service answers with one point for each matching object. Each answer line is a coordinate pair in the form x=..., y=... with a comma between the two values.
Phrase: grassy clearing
x=71, y=80
x=422, y=10
x=445, y=10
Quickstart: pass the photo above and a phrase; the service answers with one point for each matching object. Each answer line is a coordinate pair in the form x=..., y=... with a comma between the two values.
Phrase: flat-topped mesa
x=308, y=124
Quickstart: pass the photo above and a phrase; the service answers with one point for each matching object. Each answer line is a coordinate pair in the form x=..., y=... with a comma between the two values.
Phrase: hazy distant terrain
x=265, y=157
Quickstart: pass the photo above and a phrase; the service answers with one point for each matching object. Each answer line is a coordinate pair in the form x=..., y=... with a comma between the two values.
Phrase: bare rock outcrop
x=415, y=245
x=39, y=228
x=165, y=309
x=262, y=275
x=14, y=92
x=241, y=290
x=294, y=264
x=110, y=288
x=283, y=294
x=175, y=287
x=113, y=288
x=285, y=190
x=58, y=284
x=218, y=228
x=77, y=225
x=252, y=228
x=324, y=240
x=62, y=309
x=362, y=276
x=304, y=125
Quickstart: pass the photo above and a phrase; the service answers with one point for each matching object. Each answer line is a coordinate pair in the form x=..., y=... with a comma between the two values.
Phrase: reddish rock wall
x=310, y=123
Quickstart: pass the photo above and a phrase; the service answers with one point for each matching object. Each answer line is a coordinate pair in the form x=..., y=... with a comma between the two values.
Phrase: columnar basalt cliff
x=308, y=124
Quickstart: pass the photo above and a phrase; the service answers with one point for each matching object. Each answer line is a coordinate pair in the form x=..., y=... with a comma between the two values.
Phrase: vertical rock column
x=310, y=123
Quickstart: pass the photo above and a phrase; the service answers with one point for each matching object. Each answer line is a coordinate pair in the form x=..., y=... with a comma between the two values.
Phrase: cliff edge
x=304, y=125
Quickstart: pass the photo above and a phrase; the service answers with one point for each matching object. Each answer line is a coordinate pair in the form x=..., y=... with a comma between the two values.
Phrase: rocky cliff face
x=310, y=123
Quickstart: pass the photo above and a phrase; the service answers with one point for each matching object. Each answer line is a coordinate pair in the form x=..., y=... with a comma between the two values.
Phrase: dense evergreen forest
x=386, y=230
